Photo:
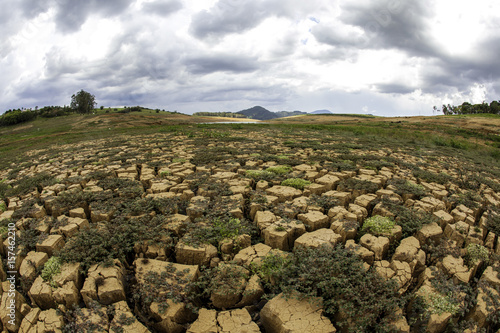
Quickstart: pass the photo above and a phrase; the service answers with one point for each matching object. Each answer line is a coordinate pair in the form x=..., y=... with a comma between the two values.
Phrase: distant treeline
x=219, y=114
x=17, y=116
x=468, y=108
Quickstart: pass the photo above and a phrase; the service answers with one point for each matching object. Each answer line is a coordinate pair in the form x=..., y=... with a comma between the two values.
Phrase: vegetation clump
x=51, y=268
x=378, y=225
x=297, y=183
x=280, y=170
x=258, y=175
x=476, y=253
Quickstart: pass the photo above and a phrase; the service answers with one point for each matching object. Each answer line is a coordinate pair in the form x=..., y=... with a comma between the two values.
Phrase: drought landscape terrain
x=162, y=222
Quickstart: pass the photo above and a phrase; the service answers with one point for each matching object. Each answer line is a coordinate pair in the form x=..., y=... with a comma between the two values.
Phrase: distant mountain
x=258, y=112
x=282, y=114
x=321, y=112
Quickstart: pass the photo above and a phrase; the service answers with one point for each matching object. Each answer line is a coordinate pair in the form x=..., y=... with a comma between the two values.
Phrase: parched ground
x=253, y=228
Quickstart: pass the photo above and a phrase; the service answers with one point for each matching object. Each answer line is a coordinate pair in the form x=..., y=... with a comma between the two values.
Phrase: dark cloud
x=336, y=35
x=238, y=16
x=228, y=16
x=162, y=8
x=394, y=88
x=221, y=63
x=72, y=14
x=397, y=24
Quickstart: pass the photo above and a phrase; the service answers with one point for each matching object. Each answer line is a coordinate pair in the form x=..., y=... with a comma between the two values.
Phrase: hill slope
x=258, y=112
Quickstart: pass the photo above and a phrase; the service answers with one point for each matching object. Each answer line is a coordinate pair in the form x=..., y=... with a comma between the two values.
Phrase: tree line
x=81, y=102
x=468, y=108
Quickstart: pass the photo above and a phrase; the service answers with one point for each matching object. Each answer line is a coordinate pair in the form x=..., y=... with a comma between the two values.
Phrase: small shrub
x=297, y=183
x=411, y=221
x=338, y=276
x=356, y=184
x=404, y=186
x=3, y=207
x=29, y=184
x=325, y=202
x=439, y=304
x=378, y=225
x=51, y=268
x=475, y=253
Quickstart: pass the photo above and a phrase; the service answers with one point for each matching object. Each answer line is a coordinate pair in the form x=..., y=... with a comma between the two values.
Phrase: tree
x=83, y=102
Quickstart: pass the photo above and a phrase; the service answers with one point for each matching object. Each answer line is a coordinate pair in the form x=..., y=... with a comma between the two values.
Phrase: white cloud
x=395, y=57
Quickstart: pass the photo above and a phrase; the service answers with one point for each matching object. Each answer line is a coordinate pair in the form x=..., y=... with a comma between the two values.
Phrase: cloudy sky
x=394, y=57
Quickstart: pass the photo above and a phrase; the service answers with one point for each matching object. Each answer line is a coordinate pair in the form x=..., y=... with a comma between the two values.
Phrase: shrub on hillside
x=16, y=117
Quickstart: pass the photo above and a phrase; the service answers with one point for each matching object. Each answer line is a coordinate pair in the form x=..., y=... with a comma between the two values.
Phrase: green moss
x=297, y=183
x=280, y=170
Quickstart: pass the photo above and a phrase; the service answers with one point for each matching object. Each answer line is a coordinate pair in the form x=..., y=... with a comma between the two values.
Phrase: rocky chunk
x=62, y=289
x=378, y=245
x=194, y=255
x=284, y=193
x=366, y=255
x=444, y=218
x=338, y=213
x=431, y=232
x=314, y=220
x=295, y=314
x=206, y=322
x=457, y=233
x=330, y=182
x=32, y=262
x=104, y=284
x=409, y=251
x=429, y=204
x=343, y=198
x=264, y=219
x=42, y=321
x=456, y=268
x=125, y=321
x=346, y=229
x=234, y=321
x=252, y=254
x=318, y=238
x=282, y=235
x=403, y=274
x=51, y=244
x=177, y=314
x=366, y=201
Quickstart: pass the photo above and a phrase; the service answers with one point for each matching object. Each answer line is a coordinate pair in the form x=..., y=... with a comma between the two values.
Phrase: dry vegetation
x=146, y=222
